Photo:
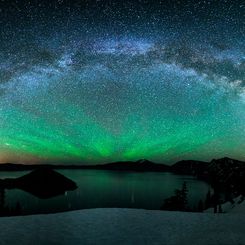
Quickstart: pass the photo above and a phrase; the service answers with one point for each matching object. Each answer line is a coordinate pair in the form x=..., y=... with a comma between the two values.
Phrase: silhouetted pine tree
x=178, y=202
x=208, y=200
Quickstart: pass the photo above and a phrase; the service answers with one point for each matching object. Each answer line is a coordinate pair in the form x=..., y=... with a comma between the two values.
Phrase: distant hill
x=191, y=167
x=227, y=174
x=140, y=165
x=16, y=167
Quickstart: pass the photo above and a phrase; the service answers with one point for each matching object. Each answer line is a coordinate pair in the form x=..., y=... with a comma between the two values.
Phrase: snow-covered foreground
x=124, y=226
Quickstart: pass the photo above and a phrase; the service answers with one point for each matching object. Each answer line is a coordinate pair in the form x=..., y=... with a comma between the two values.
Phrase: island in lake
x=224, y=178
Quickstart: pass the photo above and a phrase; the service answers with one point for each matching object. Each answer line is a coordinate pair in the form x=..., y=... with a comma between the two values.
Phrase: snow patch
x=124, y=226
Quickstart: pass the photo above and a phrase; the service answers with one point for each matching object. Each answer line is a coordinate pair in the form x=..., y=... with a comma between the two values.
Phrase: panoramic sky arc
x=101, y=81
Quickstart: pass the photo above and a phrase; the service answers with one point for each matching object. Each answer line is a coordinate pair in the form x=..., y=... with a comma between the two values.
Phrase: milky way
x=101, y=81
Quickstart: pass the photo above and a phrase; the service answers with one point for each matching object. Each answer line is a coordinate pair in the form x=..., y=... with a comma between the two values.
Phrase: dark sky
x=100, y=81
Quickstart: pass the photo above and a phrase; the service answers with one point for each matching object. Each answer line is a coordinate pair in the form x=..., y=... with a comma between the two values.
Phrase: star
x=102, y=81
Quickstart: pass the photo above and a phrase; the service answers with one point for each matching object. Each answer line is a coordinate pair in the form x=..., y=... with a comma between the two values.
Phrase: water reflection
x=4, y=209
x=97, y=188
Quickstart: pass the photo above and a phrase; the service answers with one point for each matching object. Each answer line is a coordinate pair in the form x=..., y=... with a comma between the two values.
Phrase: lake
x=100, y=189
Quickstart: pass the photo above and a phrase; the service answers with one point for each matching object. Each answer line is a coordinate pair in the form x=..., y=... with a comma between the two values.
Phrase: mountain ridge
x=181, y=167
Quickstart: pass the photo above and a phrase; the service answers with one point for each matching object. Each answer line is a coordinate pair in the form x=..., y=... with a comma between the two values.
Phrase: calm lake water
x=98, y=189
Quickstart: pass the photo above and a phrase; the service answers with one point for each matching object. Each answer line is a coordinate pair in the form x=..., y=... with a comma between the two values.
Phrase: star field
x=101, y=81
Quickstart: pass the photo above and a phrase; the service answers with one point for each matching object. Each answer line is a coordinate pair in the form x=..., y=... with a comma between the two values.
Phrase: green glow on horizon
x=100, y=103
x=172, y=137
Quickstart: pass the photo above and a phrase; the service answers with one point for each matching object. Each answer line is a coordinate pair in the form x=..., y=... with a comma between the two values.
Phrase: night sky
x=101, y=81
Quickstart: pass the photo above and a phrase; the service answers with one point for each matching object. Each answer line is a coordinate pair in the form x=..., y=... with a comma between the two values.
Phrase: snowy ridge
x=124, y=226
x=238, y=206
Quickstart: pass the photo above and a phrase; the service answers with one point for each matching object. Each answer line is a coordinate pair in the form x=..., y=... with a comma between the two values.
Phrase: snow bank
x=238, y=206
x=123, y=226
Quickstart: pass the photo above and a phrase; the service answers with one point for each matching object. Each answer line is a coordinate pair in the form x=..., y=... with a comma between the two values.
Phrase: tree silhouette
x=177, y=202
x=208, y=202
